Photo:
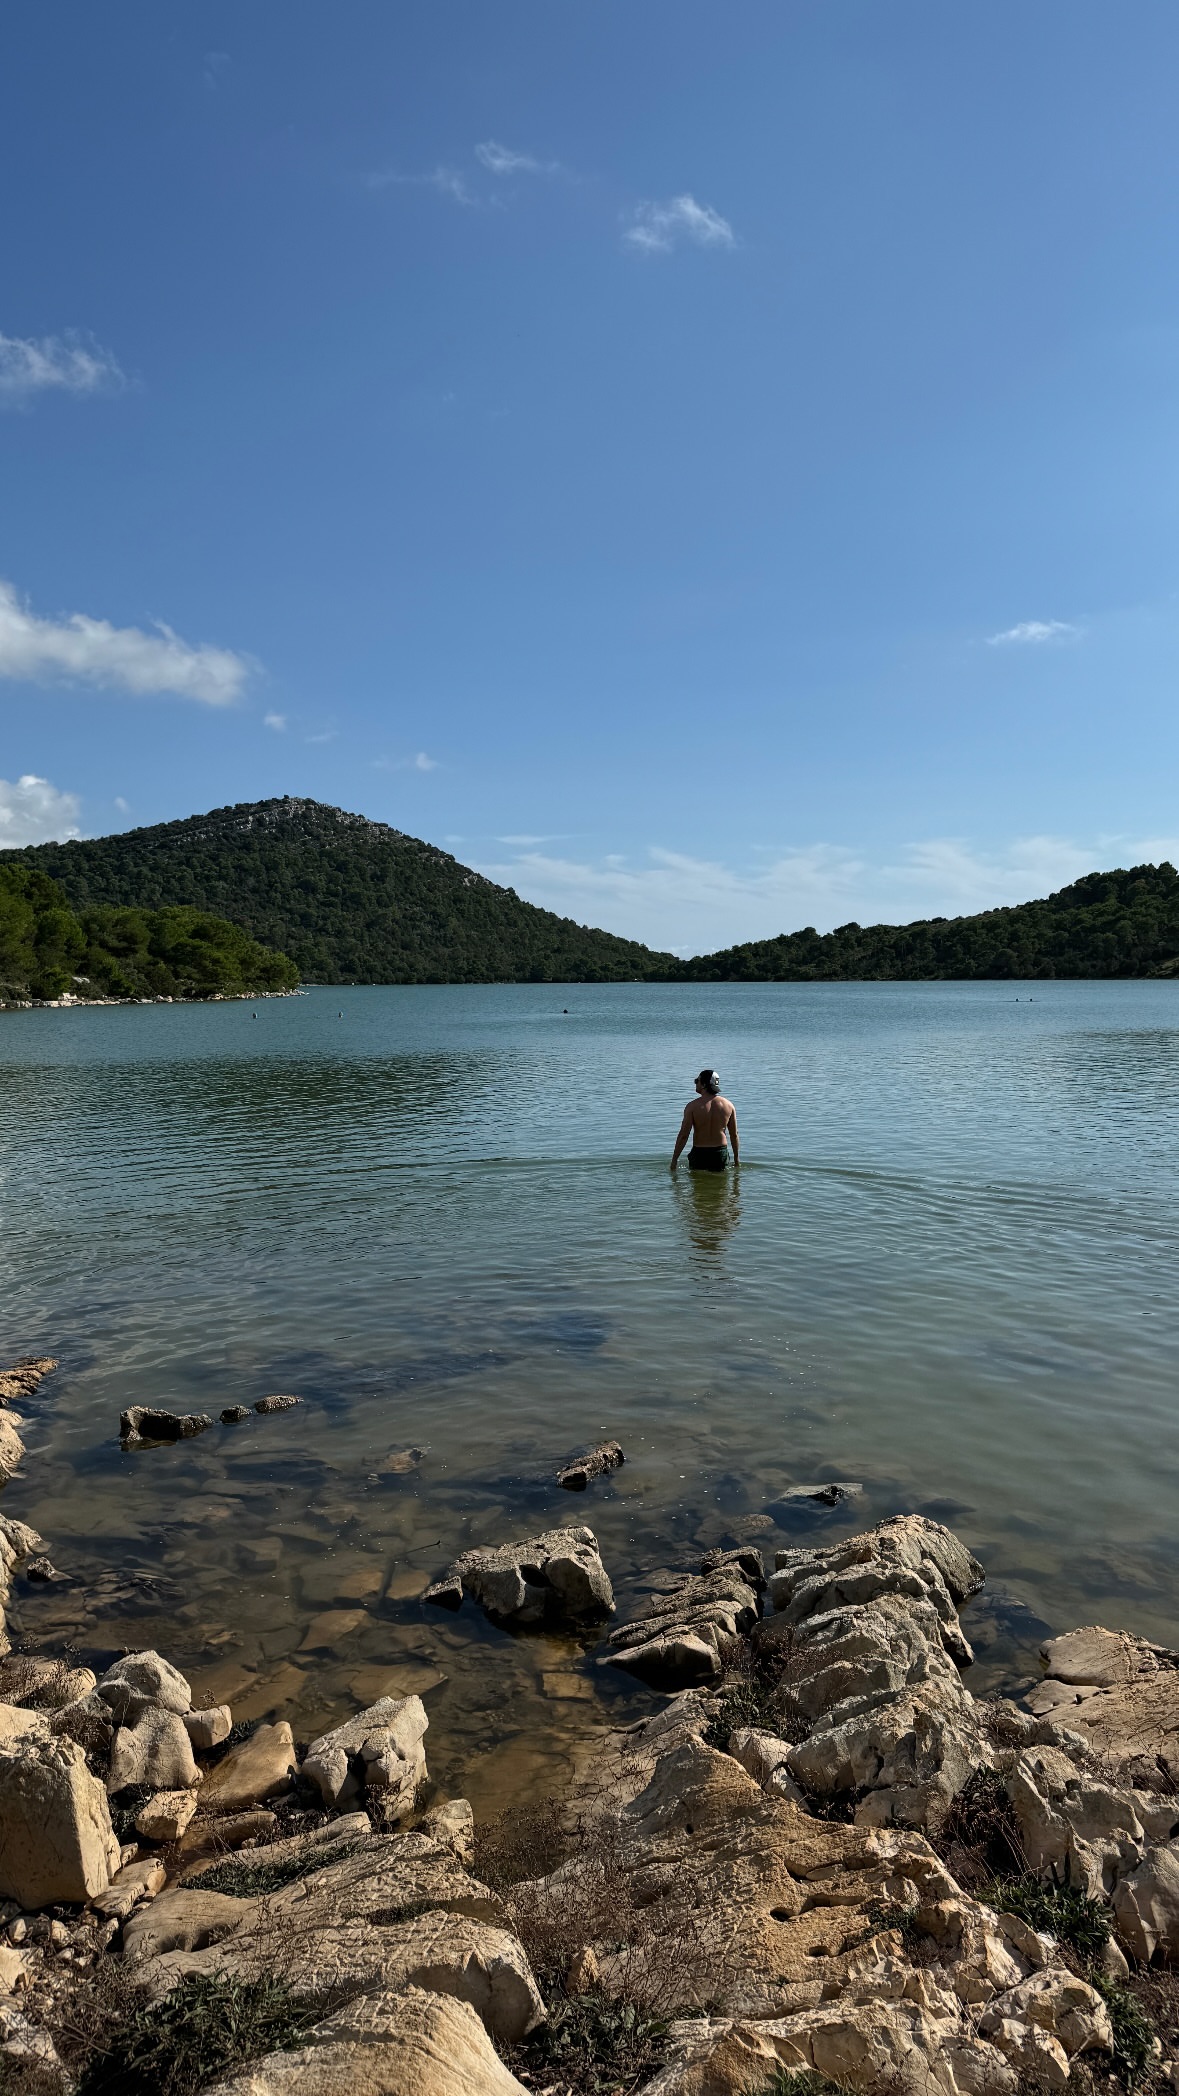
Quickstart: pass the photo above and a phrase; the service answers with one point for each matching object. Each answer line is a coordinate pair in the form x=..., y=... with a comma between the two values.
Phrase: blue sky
x=714, y=470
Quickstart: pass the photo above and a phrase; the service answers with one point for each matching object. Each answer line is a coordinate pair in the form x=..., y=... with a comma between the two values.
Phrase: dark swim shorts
x=714, y=1158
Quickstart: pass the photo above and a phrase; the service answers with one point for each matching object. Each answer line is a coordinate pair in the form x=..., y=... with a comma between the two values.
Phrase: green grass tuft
x=1060, y=1910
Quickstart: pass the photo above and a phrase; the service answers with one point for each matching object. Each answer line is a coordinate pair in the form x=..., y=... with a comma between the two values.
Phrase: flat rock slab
x=551, y=1578
x=594, y=1463
x=144, y=1426
x=1121, y=1693
x=413, y=2043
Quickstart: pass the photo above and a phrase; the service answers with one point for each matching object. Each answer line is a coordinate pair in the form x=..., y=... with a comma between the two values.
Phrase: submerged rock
x=555, y=1577
x=594, y=1463
x=232, y=1413
x=681, y=1638
x=276, y=1404
x=142, y=1425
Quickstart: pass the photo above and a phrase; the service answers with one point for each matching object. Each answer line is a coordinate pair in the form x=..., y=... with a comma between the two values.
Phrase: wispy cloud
x=1032, y=633
x=277, y=721
x=687, y=905
x=501, y=160
x=446, y=180
x=420, y=762
x=69, y=363
x=655, y=229
x=79, y=649
x=326, y=735
x=124, y=807
x=34, y=812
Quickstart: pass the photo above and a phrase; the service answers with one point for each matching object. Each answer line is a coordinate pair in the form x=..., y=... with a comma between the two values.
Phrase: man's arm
x=682, y=1137
x=733, y=1135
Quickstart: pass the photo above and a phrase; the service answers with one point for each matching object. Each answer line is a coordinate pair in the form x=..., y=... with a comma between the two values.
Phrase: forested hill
x=350, y=900
x=1108, y=924
x=355, y=901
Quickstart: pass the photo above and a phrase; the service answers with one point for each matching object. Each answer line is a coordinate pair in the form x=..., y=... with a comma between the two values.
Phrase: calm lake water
x=443, y=1216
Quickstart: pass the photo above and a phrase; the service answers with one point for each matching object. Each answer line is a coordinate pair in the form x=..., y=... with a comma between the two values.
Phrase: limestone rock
x=381, y=1746
x=408, y=2044
x=276, y=1404
x=451, y=1954
x=155, y=1751
x=332, y=1926
x=140, y=1679
x=228, y=1832
x=766, y=1759
x=1121, y=1695
x=17, y=1541
x=1056, y=2004
x=258, y=1769
x=14, y=1973
x=681, y=1638
x=12, y=1448
x=142, y=1425
x=165, y=1817
x=555, y=1577
x=898, y=2045
x=133, y=1883
x=17, y=1724
x=183, y=1920
x=1146, y=1904
x=207, y=1728
x=56, y=1840
x=832, y=1494
x=453, y=1824
x=25, y=1377
x=594, y=1463
x=232, y=1413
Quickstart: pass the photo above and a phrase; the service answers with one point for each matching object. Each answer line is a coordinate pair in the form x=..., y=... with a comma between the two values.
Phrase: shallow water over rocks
x=947, y=1270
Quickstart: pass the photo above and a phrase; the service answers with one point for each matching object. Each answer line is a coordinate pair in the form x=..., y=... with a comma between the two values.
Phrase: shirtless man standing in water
x=711, y=1121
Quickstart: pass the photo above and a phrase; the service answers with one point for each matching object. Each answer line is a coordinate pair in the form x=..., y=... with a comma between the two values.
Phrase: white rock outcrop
x=555, y=1577
x=381, y=1750
x=56, y=1839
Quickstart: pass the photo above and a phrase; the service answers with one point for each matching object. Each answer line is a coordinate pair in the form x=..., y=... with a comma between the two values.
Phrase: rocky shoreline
x=818, y=1863
x=68, y=1002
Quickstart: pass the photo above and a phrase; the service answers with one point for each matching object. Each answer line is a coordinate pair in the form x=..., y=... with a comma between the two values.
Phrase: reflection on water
x=954, y=1278
x=709, y=1205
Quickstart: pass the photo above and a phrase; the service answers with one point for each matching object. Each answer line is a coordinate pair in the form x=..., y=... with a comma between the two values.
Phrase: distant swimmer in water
x=711, y=1121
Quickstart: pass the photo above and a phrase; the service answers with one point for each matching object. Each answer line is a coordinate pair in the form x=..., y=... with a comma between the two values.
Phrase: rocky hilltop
x=817, y=1864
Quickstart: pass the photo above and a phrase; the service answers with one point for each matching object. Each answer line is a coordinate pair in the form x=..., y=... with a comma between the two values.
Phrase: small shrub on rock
x=179, y=2045
x=592, y=2046
x=1060, y=1910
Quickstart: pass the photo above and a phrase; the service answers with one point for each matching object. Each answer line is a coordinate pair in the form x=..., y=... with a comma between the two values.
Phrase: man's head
x=708, y=1084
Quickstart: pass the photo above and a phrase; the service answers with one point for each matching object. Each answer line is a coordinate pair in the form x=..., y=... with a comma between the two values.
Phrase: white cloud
x=446, y=180
x=67, y=363
x=124, y=807
x=654, y=229
x=34, y=812
x=1033, y=633
x=123, y=658
x=686, y=905
x=423, y=763
x=419, y=763
x=277, y=721
x=501, y=160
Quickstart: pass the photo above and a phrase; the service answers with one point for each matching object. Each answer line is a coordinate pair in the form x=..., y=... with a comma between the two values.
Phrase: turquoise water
x=947, y=1268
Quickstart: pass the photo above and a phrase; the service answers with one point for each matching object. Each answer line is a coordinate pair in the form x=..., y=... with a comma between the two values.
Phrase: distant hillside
x=355, y=901
x=46, y=947
x=1108, y=924
x=350, y=900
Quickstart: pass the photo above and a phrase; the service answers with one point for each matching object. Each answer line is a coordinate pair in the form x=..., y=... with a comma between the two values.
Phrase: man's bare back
x=711, y=1121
